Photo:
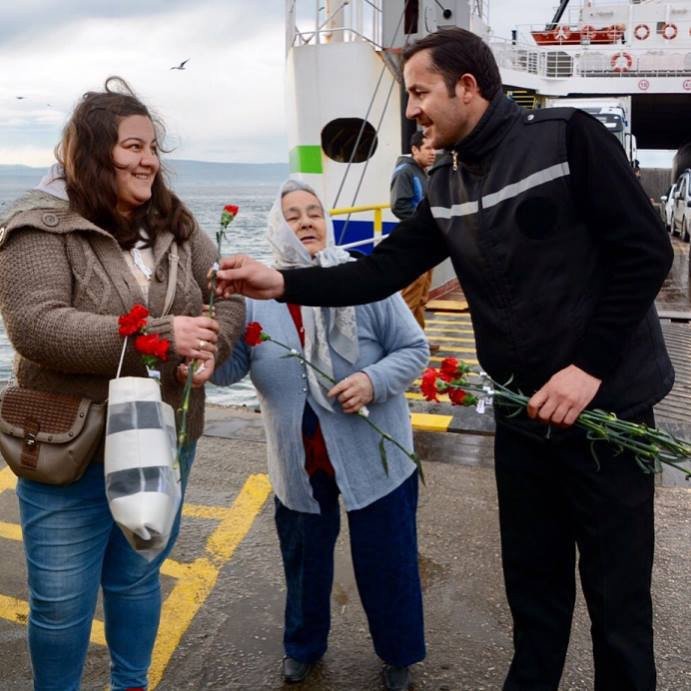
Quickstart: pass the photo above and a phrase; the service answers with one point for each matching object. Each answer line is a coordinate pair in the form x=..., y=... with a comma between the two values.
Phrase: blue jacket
x=392, y=352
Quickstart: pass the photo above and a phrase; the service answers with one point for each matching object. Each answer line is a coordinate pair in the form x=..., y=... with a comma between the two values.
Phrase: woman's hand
x=195, y=337
x=353, y=392
x=204, y=371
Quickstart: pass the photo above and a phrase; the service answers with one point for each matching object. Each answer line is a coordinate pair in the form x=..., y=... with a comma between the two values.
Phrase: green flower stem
x=411, y=454
x=184, y=408
x=650, y=446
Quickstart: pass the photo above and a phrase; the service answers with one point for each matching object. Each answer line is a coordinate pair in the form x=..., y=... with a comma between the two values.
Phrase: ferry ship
x=345, y=97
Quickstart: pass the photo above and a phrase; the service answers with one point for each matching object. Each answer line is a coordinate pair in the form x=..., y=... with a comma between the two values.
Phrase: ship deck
x=223, y=589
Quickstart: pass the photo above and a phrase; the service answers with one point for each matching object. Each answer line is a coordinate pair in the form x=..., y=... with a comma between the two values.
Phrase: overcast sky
x=228, y=105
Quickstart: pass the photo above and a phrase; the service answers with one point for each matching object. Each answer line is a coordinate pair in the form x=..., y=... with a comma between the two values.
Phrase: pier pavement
x=223, y=585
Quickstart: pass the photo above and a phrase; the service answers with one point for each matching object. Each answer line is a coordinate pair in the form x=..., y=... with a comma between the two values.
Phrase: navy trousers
x=383, y=544
x=552, y=499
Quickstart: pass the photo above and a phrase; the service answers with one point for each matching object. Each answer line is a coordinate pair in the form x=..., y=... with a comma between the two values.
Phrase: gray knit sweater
x=63, y=284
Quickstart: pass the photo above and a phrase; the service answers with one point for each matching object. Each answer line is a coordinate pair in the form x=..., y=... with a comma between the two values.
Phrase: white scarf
x=341, y=332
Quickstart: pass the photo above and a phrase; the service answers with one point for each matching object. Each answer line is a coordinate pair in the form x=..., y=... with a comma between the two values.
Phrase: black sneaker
x=396, y=678
x=295, y=671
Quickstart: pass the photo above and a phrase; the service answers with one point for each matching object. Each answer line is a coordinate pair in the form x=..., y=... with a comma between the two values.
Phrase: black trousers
x=552, y=499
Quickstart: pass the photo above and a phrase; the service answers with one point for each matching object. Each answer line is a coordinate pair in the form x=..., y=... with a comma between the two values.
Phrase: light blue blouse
x=392, y=352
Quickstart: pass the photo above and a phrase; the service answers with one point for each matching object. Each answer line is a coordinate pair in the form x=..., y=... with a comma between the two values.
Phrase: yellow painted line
x=447, y=344
x=190, y=592
x=450, y=335
x=98, y=632
x=8, y=480
x=214, y=513
x=10, y=531
x=449, y=319
x=445, y=330
x=447, y=305
x=173, y=568
x=430, y=423
x=454, y=339
x=14, y=610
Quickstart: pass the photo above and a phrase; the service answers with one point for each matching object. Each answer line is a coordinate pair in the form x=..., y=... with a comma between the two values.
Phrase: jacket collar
x=493, y=126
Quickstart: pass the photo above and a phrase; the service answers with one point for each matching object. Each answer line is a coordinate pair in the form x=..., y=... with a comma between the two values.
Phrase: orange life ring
x=562, y=33
x=641, y=32
x=588, y=31
x=669, y=31
x=617, y=66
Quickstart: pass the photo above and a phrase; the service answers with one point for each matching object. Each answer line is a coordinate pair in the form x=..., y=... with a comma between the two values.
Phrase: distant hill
x=21, y=172
x=188, y=172
x=200, y=172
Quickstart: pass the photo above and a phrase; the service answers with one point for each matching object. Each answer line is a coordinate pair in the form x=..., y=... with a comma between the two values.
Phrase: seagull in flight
x=21, y=98
x=181, y=66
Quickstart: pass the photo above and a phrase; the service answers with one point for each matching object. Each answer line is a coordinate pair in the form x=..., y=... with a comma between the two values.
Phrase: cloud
x=228, y=103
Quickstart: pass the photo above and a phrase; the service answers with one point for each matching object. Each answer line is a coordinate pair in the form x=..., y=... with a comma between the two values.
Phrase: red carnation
x=449, y=368
x=428, y=384
x=230, y=211
x=254, y=334
x=134, y=321
x=152, y=345
x=457, y=396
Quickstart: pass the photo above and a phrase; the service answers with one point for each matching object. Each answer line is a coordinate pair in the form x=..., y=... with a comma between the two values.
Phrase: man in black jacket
x=560, y=256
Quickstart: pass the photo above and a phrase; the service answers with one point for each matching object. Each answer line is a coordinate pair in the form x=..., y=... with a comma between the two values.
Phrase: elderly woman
x=94, y=240
x=318, y=448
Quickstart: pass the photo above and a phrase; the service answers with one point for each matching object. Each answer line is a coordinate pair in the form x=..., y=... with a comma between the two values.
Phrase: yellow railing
x=378, y=222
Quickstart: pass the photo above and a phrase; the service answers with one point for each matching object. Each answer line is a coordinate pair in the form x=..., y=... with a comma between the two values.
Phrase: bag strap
x=173, y=260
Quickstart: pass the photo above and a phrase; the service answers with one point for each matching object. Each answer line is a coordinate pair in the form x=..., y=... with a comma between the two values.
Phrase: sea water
x=205, y=198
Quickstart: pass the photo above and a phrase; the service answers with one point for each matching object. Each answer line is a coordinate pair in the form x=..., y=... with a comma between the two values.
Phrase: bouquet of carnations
x=467, y=386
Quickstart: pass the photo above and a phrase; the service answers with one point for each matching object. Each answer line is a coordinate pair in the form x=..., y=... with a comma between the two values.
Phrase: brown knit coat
x=63, y=284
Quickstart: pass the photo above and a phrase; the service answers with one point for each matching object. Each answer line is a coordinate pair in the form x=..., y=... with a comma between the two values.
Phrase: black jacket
x=556, y=246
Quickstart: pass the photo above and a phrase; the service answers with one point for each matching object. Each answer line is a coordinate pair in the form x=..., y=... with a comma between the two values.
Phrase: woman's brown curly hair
x=86, y=154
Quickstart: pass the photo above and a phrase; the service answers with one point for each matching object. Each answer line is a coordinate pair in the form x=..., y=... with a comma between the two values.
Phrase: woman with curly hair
x=102, y=233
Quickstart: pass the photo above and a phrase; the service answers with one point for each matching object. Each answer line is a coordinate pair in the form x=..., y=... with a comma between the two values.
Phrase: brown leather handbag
x=48, y=437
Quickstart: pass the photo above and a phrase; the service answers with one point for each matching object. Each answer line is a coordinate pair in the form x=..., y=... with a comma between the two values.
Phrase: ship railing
x=333, y=21
x=615, y=60
x=377, y=224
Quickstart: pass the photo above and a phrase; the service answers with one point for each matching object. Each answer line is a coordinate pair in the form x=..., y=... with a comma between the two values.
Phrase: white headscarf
x=341, y=332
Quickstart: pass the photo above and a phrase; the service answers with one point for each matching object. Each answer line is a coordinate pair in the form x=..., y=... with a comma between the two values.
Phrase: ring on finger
x=202, y=344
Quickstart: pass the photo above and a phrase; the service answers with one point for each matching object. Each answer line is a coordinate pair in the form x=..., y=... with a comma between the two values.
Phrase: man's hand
x=563, y=398
x=201, y=376
x=353, y=392
x=246, y=276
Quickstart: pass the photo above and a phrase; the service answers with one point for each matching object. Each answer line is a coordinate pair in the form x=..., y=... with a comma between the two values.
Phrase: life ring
x=562, y=33
x=617, y=65
x=588, y=31
x=641, y=32
x=669, y=31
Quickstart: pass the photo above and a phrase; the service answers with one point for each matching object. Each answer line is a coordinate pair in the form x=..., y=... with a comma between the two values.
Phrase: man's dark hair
x=455, y=52
x=416, y=139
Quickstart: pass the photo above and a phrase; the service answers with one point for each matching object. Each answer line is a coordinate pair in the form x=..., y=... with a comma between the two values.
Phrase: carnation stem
x=650, y=446
x=410, y=454
x=184, y=408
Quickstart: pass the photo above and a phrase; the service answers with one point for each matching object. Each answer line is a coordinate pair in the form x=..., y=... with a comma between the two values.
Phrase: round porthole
x=339, y=138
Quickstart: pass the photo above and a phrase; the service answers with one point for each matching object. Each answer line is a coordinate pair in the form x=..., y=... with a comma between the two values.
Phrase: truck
x=614, y=112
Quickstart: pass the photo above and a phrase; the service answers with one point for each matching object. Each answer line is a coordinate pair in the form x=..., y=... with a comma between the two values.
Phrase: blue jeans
x=383, y=545
x=72, y=547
